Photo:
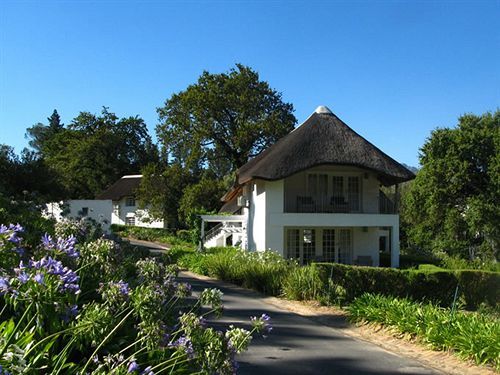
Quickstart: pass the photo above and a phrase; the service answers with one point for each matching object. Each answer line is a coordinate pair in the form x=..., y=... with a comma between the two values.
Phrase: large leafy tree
x=93, y=151
x=161, y=190
x=223, y=120
x=207, y=132
x=453, y=204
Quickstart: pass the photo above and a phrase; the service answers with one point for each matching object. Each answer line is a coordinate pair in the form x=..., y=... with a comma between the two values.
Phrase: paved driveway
x=299, y=345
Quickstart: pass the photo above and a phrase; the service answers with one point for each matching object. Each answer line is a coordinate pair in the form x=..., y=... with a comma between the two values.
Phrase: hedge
x=474, y=287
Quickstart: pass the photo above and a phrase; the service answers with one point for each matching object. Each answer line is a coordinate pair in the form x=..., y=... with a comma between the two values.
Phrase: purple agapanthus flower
x=4, y=285
x=147, y=371
x=262, y=324
x=39, y=278
x=23, y=277
x=62, y=245
x=123, y=287
x=133, y=367
x=185, y=344
x=69, y=279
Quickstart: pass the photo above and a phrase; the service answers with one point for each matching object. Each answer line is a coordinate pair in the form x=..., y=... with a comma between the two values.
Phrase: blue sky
x=392, y=70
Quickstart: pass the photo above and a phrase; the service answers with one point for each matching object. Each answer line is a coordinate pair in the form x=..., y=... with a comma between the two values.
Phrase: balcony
x=297, y=203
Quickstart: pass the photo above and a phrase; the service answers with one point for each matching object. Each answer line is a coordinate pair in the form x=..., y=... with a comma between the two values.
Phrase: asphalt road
x=152, y=246
x=299, y=345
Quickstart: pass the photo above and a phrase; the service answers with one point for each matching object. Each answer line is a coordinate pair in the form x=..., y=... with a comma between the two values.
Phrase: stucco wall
x=365, y=243
x=257, y=216
x=274, y=205
x=98, y=210
x=125, y=211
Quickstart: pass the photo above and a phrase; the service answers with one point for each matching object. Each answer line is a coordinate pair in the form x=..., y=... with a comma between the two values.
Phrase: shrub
x=470, y=335
x=68, y=310
x=303, y=283
x=475, y=287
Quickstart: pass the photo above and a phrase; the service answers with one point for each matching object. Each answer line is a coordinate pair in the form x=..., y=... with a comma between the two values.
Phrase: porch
x=353, y=246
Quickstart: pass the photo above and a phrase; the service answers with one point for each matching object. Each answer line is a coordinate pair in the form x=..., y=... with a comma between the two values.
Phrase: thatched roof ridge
x=125, y=186
x=323, y=139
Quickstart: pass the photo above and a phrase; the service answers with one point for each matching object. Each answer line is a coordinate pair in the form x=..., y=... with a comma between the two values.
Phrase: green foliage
x=200, y=197
x=470, y=335
x=161, y=189
x=452, y=206
x=264, y=271
x=166, y=236
x=431, y=284
x=94, y=151
x=223, y=120
x=26, y=211
x=56, y=320
x=303, y=283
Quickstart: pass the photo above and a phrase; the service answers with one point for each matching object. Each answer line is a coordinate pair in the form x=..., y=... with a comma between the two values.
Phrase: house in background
x=116, y=205
x=97, y=210
x=125, y=210
x=314, y=195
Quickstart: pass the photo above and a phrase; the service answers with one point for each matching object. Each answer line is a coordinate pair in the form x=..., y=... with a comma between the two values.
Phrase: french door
x=336, y=243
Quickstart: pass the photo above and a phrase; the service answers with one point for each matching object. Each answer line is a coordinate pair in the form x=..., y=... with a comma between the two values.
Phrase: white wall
x=256, y=230
x=141, y=216
x=274, y=205
x=365, y=243
x=98, y=210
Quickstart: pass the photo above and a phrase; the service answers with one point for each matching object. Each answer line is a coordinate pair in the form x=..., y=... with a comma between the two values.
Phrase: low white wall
x=98, y=210
x=141, y=216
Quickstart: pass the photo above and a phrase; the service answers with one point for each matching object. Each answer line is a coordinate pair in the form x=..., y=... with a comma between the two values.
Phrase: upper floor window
x=328, y=192
x=130, y=202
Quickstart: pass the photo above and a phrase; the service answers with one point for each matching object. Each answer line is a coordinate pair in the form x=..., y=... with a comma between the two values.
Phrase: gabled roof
x=323, y=139
x=125, y=186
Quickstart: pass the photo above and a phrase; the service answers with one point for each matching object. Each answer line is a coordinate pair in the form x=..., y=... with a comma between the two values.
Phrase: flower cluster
x=117, y=364
x=262, y=324
x=212, y=297
x=61, y=246
x=184, y=345
x=10, y=239
x=238, y=339
x=114, y=292
x=68, y=279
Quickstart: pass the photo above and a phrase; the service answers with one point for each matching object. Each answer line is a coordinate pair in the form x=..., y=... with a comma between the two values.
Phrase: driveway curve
x=298, y=345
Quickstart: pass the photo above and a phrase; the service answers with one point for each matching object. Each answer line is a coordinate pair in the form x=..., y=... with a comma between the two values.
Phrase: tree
x=40, y=133
x=203, y=196
x=452, y=206
x=161, y=190
x=94, y=151
x=223, y=120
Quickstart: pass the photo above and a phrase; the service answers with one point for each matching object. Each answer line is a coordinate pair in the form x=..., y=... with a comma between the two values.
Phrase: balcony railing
x=322, y=204
x=330, y=204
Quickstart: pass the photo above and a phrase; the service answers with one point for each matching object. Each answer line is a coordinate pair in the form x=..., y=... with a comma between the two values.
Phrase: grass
x=470, y=335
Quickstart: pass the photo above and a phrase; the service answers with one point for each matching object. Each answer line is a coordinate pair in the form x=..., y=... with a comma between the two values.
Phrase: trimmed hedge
x=475, y=287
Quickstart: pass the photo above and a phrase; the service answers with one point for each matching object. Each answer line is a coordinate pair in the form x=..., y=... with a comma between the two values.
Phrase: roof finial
x=323, y=109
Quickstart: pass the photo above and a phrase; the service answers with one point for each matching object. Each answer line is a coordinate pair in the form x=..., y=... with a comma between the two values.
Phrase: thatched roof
x=124, y=187
x=323, y=139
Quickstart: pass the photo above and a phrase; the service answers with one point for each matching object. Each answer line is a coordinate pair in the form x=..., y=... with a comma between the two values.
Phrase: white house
x=98, y=210
x=115, y=205
x=124, y=206
x=314, y=195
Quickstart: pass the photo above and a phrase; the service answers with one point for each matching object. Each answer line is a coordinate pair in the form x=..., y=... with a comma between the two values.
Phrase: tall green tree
x=39, y=133
x=223, y=120
x=161, y=190
x=453, y=205
x=93, y=151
